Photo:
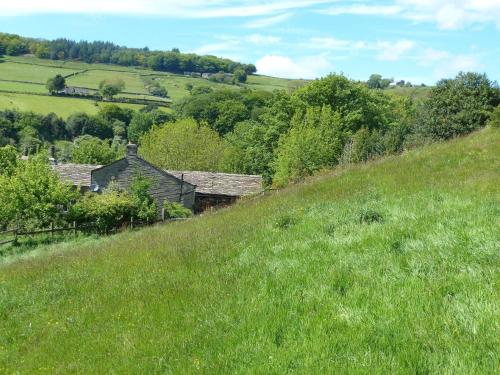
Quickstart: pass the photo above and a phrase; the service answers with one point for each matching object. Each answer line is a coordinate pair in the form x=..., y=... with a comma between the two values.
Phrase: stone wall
x=163, y=186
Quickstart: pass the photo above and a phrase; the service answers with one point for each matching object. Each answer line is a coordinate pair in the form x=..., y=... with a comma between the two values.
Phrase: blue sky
x=415, y=40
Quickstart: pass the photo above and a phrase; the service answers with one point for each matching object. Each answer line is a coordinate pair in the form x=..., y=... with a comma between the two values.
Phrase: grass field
x=38, y=71
x=391, y=267
x=46, y=104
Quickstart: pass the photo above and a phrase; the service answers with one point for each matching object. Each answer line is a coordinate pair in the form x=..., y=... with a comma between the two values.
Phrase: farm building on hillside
x=197, y=191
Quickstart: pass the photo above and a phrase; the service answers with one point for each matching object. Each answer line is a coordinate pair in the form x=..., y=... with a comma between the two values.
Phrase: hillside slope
x=388, y=267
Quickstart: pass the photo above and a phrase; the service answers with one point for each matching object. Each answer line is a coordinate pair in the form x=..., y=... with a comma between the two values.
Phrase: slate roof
x=77, y=174
x=236, y=185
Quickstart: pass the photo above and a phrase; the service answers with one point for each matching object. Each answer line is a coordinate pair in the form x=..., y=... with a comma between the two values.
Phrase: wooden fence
x=75, y=228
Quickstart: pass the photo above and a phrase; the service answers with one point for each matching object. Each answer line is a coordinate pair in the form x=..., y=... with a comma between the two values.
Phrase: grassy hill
x=22, y=84
x=387, y=267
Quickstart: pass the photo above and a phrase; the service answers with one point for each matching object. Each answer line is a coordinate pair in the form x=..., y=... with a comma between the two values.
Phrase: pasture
x=25, y=75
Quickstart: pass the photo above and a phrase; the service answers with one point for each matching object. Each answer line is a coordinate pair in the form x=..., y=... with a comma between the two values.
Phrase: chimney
x=131, y=150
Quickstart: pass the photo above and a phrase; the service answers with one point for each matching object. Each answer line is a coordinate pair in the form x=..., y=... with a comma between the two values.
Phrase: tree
x=80, y=123
x=239, y=76
x=56, y=84
x=183, y=145
x=92, y=150
x=377, y=82
x=315, y=141
x=140, y=124
x=494, y=120
x=8, y=160
x=110, y=87
x=34, y=196
x=458, y=106
x=145, y=206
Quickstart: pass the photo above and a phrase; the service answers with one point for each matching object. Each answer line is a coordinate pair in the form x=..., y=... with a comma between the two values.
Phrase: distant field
x=46, y=104
x=267, y=83
x=35, y=73
x=412, y=92
x=92, y=78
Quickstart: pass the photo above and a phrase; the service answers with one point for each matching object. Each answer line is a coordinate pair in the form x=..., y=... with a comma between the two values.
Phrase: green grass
x=416, y=92
x=92, y=78
x=46, y=104
x=30, y=73
x=386, y=268
x=32, y=69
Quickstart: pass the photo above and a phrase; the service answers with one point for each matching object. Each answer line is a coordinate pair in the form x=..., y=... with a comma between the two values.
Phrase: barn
x=195, y=190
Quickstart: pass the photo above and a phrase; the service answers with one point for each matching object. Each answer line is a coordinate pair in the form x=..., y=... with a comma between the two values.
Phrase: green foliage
x=141, y=123
x=239, y=76
x=79, y=124
x=458, y=106
x=92, y=150
x=56, y=83
x=110, y=87
x=145, y=206
x=377, y=82
x=8, y=160
x=33, y=195
x=315, y=141
x=183, y=145
x=174, y=210
x=104, y=211
x=494, y=120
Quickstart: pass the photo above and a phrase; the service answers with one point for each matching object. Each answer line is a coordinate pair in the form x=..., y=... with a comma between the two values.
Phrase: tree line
x=109, y=53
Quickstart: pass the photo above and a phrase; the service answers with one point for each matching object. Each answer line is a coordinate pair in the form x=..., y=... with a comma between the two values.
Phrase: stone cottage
x=195, y=190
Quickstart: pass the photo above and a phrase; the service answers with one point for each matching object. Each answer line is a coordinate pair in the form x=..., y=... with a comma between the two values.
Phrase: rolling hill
x=386, y=267
x=22, y=84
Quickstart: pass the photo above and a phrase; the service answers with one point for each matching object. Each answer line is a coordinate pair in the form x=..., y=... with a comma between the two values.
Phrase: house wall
x=206, y=201
x=163, y=186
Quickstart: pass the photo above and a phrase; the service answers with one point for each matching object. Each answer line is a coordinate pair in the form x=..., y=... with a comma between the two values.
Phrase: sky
x=420, y=41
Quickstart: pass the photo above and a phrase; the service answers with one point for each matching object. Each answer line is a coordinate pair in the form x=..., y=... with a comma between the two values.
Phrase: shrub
x=106, y=211
x=494, y=120
x=174, y=210
x=369, y=216
x=145, y=206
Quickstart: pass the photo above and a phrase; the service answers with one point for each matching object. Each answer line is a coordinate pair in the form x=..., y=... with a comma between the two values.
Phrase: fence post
x=15, y=234
x=131, y=222
x=163, y=214
x=74, y=228
x=52, y=229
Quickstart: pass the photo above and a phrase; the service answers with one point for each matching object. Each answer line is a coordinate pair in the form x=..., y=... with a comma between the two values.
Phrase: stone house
x=195, y=190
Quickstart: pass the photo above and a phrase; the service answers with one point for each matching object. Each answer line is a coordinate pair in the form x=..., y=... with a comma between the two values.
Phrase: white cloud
x=447, y=14
x=267, y=22
x=262, y=39
x=169, y=8
x=330, y=43
x=362, y=9
x=282, y=66
x=394, y=51
x=386, y=50
x=449, y=67
x=431, y=56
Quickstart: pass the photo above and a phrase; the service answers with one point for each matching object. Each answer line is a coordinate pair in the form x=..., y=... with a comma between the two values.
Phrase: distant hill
x=385, y=267
x=23, y=79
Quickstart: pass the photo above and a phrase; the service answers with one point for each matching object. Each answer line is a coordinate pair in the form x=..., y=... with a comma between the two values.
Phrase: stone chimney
x=131, y=150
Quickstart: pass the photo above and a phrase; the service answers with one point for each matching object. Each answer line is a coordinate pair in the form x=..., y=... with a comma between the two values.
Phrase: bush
x=106, y=211
x=145, y=206
x=494, y=120
x=174, y=210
